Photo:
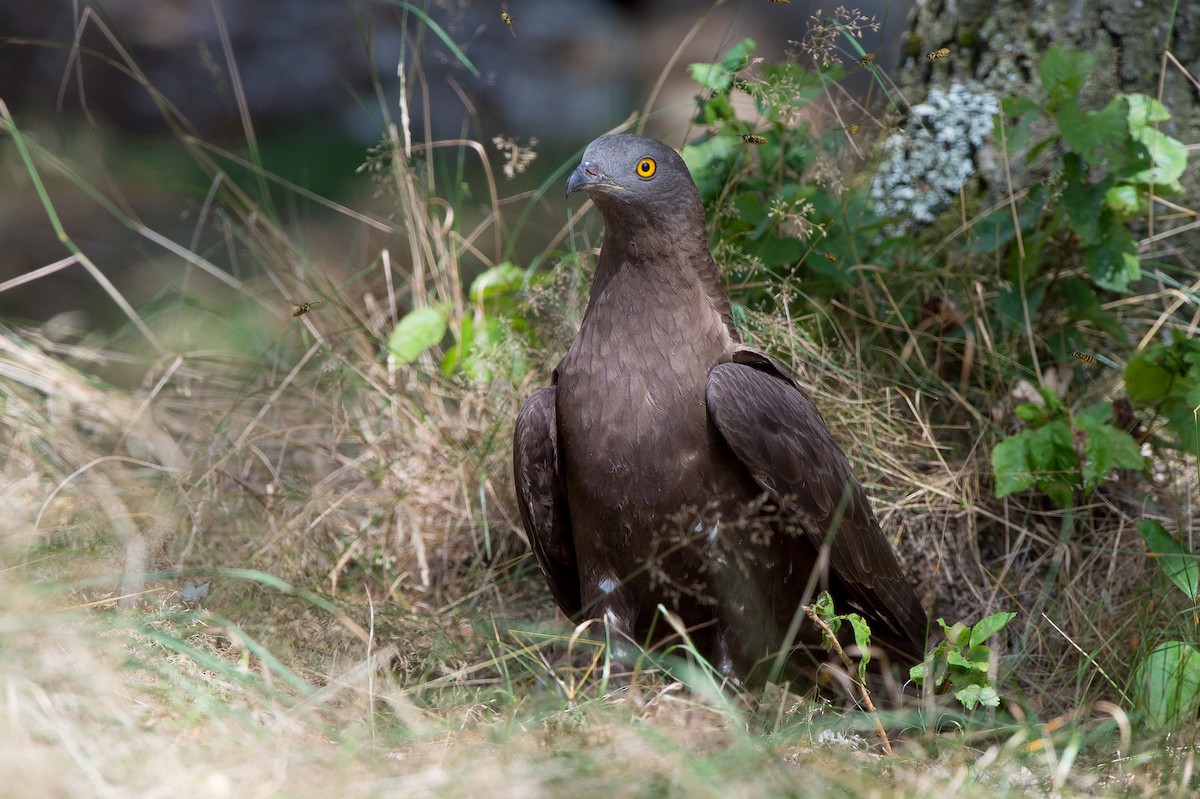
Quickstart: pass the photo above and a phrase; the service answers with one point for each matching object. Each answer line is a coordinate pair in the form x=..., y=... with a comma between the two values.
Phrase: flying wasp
x=827, y=255
x=866, y=60
x=507, y=19
x=753, y=138
x=781, y=2
x=852, y=129
x=304, y=307
x=936, y=54
x=1092, y=360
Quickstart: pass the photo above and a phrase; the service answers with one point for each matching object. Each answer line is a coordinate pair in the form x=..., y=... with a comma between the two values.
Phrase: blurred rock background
x=566, y=72
x=318, y=76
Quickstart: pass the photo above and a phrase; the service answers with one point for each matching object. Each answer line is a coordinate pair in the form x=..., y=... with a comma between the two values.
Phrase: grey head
x=636, y=177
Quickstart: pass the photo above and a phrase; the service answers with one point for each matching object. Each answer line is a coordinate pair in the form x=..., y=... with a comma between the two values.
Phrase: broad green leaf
x=1145, y=110
x=1177, y=561
x=1171, y=684
x=1060, y=492
x=966, y=664
x=1030, y=413
x=1106, y=448
x=988, y=626
x=1083, y=199
x=502, y=278
x=1123, y=200
x=718, y=78
x=969, y=696
x=417, y=331
x=1063, y=72
x=1096, y=413
x=958, y=635
x=1019, y=113
x=1095, y=135
x=1051, y=450
x=1010, y=466
x=710, y=161
x=1168, y=159
x=1146, y=379
x=988, y=697
x=824, y=605
x=1183, y=421
x=1113, y=262
x=1168, y=156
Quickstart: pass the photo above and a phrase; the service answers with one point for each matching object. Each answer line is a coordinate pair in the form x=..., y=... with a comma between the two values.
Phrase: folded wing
x=777, y=432
x=542, y=499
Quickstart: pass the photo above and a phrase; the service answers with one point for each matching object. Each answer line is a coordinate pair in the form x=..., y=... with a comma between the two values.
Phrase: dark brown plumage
x=670, y=464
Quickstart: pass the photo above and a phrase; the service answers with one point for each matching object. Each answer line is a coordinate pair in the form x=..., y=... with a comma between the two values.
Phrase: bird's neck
x=650, y=269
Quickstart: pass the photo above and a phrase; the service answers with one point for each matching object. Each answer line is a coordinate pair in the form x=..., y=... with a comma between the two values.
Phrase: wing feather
x=775, y=430
x=542, y=498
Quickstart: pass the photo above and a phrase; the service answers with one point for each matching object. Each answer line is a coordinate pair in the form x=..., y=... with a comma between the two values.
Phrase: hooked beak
x=588, y=176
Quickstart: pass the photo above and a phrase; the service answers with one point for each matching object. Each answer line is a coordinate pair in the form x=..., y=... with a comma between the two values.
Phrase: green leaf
x=1019, y=114
x=989, y=697
x=1061, y=492
x=1171, y=683
x=1145, y=110
x=969, y=696
x=1113, y=262
x=501, y=279
x=967, y=664
x=718, y=78
x=1176, y=560
x=1123, y=200
x=1010, y=466
x=1146, y=379
x=917, y=673
x=1051, y=450
x=1083, y=199
x=1032, y=414
x=988, y=626
x=1106, y=448
x=1183, y=422
x=417, y=331
x=1063, y=72
x=1168, y=158
x=824, y=605
x=1094, y=135
x=710, y=162
x=958, y=635
x=862, y=639
x=1097, y=413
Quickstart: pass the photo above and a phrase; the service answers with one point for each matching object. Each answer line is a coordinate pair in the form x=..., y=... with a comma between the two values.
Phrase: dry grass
x=242, y=553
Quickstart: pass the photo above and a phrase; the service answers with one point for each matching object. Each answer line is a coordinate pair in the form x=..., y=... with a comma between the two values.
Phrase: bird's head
x=636, y=176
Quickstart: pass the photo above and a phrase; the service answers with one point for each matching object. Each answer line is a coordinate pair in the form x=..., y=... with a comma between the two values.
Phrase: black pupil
x=645, y=166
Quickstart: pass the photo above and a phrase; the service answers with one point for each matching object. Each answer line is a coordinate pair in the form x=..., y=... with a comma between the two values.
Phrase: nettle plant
x=1075, y=242
x=769, y=219
x=1167, y=683
x=491, y=334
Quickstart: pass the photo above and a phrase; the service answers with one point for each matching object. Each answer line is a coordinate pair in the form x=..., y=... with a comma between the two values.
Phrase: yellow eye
x=646, y=168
